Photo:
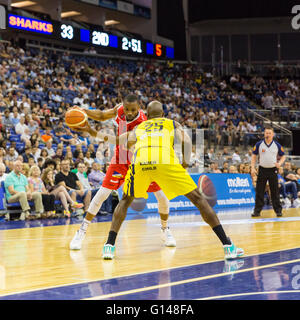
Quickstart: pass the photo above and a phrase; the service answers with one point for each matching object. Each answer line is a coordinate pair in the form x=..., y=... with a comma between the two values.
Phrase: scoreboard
x=92, y=37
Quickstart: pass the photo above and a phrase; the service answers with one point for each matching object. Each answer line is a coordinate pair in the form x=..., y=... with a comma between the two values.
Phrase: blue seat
x=13, y=207
x=15, y=137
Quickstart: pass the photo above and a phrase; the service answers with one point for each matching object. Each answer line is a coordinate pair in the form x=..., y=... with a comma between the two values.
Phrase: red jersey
x=122, y=155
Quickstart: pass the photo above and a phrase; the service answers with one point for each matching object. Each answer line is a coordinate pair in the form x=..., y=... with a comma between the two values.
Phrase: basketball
x=138, y=204
x=207, y=188
x=75, y=117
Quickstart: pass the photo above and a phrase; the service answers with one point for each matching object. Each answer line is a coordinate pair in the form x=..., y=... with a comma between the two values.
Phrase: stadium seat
x=14, y=207
x=15, y=137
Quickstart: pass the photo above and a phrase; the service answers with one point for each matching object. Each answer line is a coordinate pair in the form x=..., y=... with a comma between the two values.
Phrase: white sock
x=84, y=225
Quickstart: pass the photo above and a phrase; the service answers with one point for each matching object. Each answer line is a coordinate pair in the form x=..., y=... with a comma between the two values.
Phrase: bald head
x=17, y=166
x=155, y=110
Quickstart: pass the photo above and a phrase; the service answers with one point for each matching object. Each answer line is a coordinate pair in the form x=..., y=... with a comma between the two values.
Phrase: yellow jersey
x=155, y=142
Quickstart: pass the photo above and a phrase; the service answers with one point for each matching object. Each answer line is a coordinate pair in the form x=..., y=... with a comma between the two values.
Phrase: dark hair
x=45, y=150
x=48, y=162
x=131, y=98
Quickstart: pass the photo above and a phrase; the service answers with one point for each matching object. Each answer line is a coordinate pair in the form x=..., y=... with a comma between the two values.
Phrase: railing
x=294, y=159
x=263, y=68
x=255, y=113
x=246, y=140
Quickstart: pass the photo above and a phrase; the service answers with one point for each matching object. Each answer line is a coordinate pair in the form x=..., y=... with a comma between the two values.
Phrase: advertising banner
x=95, y=2
x=142, y=11
x=125, y=7
x=220, y=189
x=111, y=4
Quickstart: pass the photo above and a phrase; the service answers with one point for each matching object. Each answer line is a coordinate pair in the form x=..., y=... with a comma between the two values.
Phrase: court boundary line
x=176, y=283
x=247, y=294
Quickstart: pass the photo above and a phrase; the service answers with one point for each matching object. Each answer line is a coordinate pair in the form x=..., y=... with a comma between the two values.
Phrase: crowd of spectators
x=278, y=95
x=40, y=83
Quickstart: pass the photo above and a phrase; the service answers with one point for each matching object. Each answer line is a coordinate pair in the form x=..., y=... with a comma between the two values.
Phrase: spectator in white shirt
x=236, y=157
x=267, y=101
x=82, y=176
x=224, y=112
x=88, y=159
x=78, y=100
x=32, y=126
x=21, y=126
x=49, y=148
x=25, y=136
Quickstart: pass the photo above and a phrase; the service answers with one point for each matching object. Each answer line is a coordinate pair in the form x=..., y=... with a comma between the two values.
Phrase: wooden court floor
x=36, y=263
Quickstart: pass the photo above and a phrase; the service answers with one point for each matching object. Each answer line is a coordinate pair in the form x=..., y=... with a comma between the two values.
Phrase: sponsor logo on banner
x=125, y=7
x=238, y=182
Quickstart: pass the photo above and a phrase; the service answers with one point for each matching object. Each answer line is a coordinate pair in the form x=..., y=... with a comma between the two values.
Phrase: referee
x=268, y=151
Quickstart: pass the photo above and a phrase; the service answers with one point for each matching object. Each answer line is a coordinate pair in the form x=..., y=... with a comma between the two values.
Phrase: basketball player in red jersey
x=127, y=116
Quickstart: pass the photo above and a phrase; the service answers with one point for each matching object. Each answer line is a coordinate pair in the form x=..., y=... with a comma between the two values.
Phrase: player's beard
x=131, y=117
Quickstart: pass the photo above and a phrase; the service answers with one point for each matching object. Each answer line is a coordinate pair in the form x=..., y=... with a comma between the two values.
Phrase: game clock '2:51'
x=132, y=44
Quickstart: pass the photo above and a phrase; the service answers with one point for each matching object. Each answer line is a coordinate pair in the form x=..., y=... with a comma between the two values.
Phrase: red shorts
x=115, y=176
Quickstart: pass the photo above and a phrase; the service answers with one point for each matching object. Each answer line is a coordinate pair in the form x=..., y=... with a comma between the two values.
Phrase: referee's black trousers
x=264, y=175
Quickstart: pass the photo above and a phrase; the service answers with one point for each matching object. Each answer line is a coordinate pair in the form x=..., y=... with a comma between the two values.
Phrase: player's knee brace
x=96, y=203
x=163, y=202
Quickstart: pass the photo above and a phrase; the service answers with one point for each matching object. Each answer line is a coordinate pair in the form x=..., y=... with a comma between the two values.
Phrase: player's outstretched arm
x=127, y=138
x=117, y=140
x=102, y=115
x=186, y=144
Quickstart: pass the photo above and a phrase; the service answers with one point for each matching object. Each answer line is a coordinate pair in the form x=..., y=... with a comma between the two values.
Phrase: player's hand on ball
x=77, y=107
x=86, y=128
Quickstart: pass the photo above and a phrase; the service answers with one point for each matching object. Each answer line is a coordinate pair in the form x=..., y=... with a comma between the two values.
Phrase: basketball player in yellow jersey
x=154, y=159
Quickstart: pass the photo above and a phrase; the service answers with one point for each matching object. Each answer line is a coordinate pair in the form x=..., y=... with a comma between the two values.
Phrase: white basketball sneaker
x=296, y=203
x=287, y=202
x=167, y=237
x=76, y=242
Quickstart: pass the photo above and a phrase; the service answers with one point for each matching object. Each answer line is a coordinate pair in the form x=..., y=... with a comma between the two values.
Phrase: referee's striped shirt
x=268, y=153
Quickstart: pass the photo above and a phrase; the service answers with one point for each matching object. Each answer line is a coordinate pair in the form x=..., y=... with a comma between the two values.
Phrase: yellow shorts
x=173, y=179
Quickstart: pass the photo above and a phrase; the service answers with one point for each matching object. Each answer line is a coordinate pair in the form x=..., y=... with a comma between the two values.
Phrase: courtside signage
x=221, y=190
